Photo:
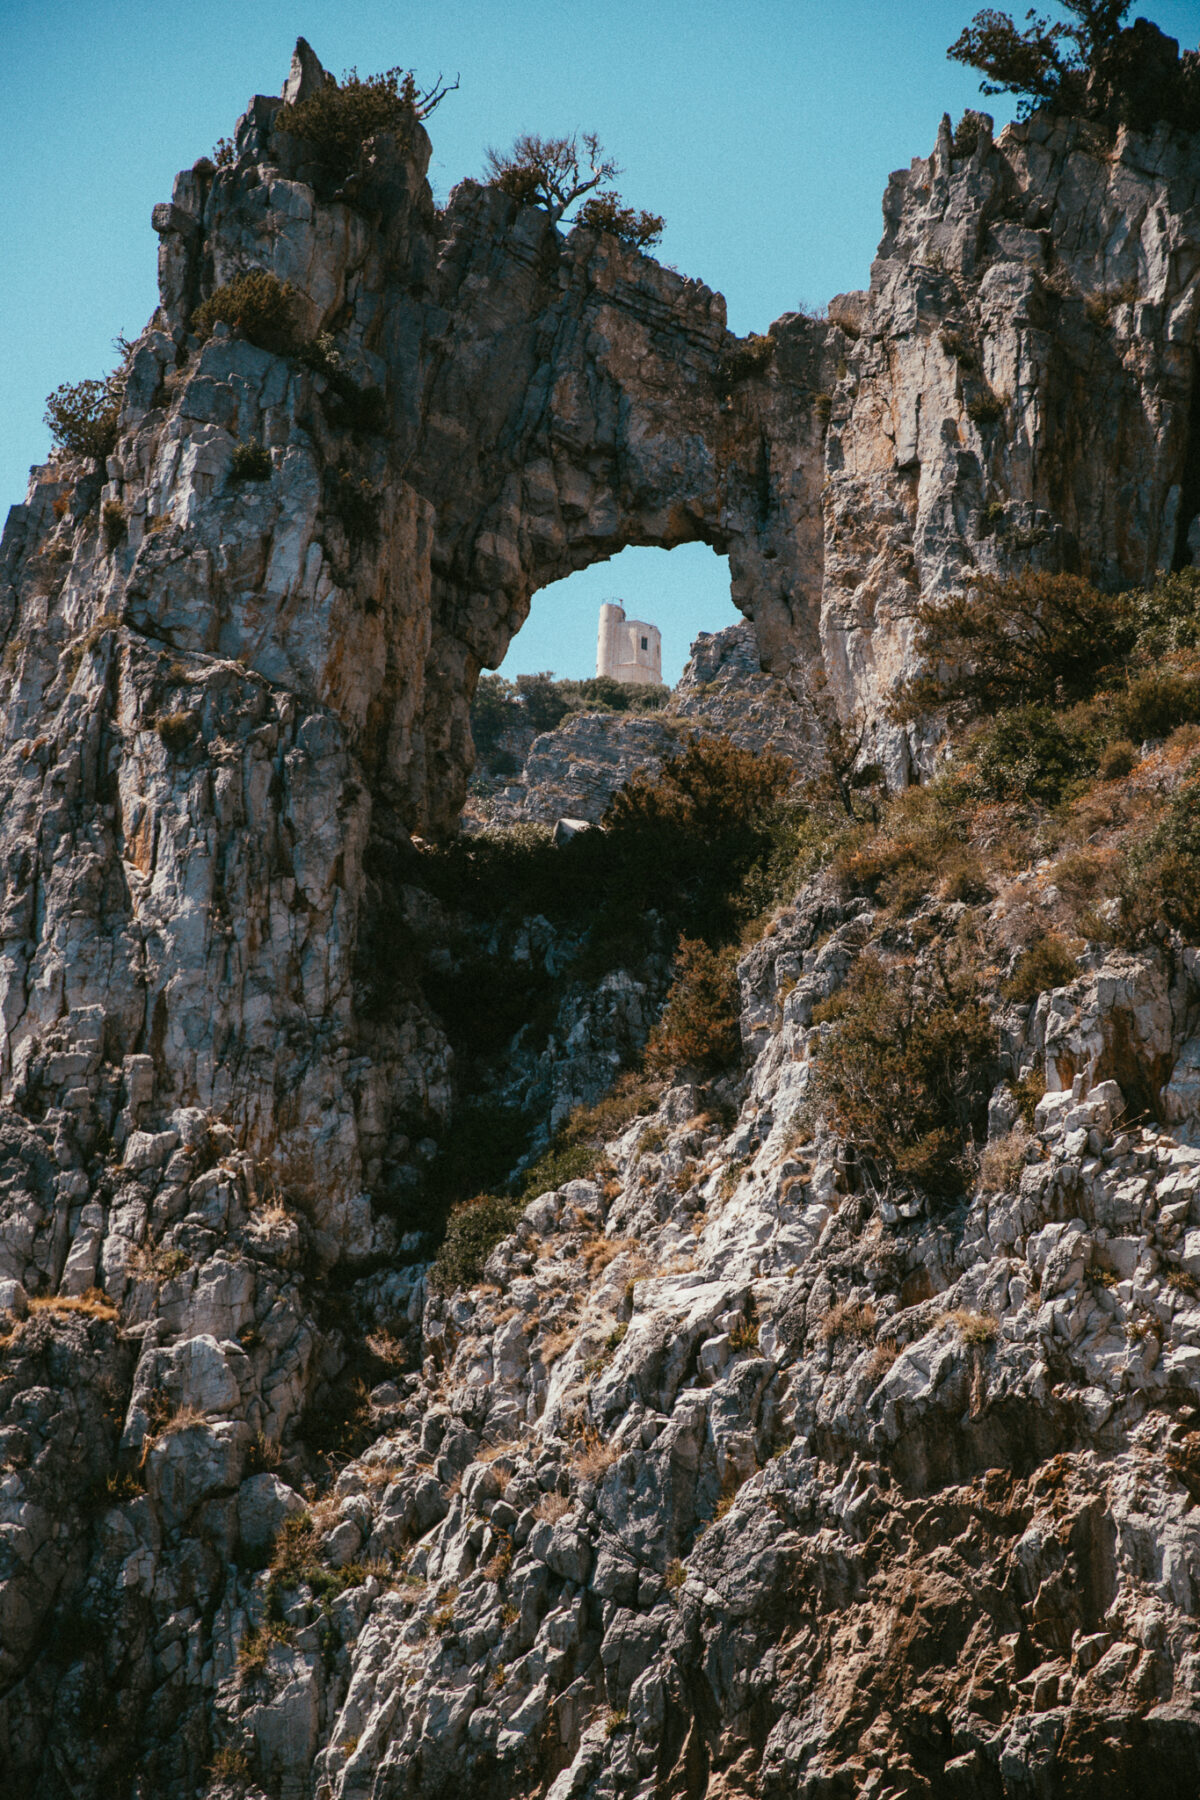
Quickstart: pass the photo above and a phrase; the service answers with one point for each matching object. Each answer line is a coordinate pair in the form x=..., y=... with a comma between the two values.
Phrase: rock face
x=1021, y=385
x=732, y=1477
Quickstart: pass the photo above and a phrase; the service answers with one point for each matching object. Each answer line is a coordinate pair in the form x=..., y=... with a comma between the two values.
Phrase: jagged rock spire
x=306, y=75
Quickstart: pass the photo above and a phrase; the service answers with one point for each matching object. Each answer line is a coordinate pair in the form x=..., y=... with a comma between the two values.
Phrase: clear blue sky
x=763, y=130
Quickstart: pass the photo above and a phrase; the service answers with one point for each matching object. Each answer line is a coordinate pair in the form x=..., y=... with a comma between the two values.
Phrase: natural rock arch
x=215, y=707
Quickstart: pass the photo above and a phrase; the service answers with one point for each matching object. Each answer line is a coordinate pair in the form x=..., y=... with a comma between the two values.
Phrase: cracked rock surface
x=732, y=1475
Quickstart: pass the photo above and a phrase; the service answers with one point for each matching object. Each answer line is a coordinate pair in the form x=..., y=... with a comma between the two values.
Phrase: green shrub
x=560, y=1163
x=544, y=704
x=1007, y=642
x=699, y=1027
x=492, y=711
x=114, y=524
x=960, y=347
x=604, y=212
x=251, y=461
x=1117, y=760
x=82, y=416
x=472, y=1232
x=1160, y=881
x=906, y=1069
x=339, y=119
x=1166, y=617
x=753, y=356
x=258, y=305
x=1155, y=703
x=1047, y=964
x=1030, y=754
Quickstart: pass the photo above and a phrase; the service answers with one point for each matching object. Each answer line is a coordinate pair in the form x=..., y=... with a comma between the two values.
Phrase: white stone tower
x=628, y=649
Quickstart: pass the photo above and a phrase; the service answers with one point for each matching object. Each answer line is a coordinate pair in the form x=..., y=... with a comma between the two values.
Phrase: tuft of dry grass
x=255, y=1648
x=158, y=1263
x=556, y=1343
x=497, y=1567
x=272, y=1212
x=744, y=1335
x=881, y=1360
x=93, y=1304
x=379, y=1474
x=848, y=1319
x=1001, y=1162
x=594, y=1456
x=506, y=1447
x=388, y=1348
x=598, y=1252
x=182, y=1419
x=973, y=1327
x=551, y=1507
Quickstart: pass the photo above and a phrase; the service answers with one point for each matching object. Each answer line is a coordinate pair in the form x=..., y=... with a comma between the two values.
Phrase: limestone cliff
x=734, y=1475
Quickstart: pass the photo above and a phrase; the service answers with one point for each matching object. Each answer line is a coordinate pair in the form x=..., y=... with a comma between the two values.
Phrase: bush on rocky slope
x=257, y=304
x=537, y=703
x=1073, y=680
x=906, y=1067
x=82, y=416
x=1088, y=65
x=340, y=117
x=698, y=1026
x=689, y=853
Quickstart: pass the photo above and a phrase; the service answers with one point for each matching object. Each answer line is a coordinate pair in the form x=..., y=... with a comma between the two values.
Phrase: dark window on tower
x=645, y=643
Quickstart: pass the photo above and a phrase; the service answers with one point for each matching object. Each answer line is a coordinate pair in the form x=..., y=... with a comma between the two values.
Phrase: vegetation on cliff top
x=1088, y=65
x=339, y=119
x=558, y=172
x=503, y=709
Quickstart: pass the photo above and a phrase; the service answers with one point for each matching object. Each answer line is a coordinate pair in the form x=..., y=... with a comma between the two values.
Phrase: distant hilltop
x=628, y=649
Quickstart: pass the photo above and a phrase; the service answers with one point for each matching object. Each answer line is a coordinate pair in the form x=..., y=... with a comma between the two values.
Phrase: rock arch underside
x=219, y=718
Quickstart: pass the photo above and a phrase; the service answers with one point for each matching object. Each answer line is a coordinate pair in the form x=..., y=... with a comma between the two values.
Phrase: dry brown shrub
x=378, y=1474
x=557, y=1342
x=598, y=1252
x=387, y=1347
x=93, y=1304
x=594, y=1456
x=272, y=1212
x=490, y=1452
x=552, y=1507
x=1001, y=1162
x=881, y=1359
x=182, y=1419
x=848, y=1318
x=497, y=1567
x=973, y=1327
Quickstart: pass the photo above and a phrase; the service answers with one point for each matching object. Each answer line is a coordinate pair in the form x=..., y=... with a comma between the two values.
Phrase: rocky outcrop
x=724, y=1474
x=1021, y=384
x=270, y=674
x=573, y=771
